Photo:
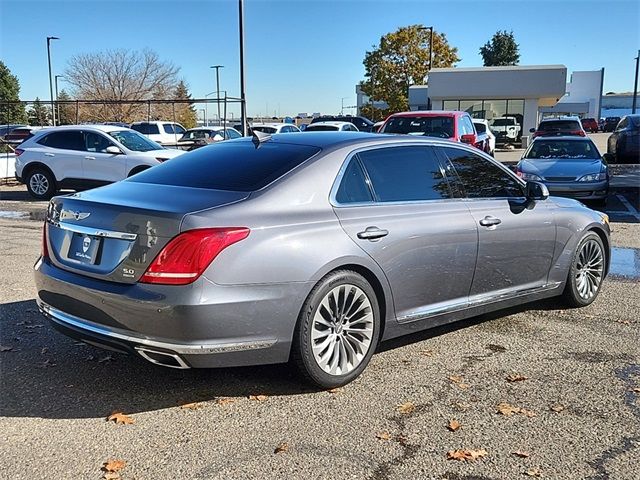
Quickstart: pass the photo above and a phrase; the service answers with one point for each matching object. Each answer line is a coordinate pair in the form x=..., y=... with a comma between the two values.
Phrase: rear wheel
x=337, y=331
x=586, y=272
x=41, y=184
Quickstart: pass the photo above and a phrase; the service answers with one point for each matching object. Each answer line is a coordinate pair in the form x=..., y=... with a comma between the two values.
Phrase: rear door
x=516, y=238
x=63, y=153
x=98, y=165
x=396, y=204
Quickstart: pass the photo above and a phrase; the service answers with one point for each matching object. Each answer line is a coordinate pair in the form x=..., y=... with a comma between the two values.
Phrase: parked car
x=164, y=133
x=4, y=129
x=589, y=125
x=311, y=248
x=453, y=125
x=562, y=126
x=483, y=129
x=569, y=166
x=272, y=128
x=18, y=135
x=601, y=125
x=624, y=143
x=376, y=126
x=84, y=156
x=506, y=129
x=201, y=136
x=363, y=124
x=331, y=127
x=610, y=124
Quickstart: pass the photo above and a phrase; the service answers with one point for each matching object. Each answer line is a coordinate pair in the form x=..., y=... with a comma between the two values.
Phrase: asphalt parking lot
x=572, y=378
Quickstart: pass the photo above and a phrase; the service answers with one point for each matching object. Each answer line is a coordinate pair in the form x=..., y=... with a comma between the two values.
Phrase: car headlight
x=593, y=177
x=530, y=176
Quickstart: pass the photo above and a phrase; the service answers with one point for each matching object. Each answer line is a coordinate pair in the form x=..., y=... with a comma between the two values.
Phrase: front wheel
x=586, y=272
x=337, y=331
x=41, y=184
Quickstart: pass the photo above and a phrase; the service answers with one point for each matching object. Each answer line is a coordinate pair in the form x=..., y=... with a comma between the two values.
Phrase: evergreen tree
x=185, y=112
x=66, y=112
x=10, y=92
x=39, y=114
x=501, y=50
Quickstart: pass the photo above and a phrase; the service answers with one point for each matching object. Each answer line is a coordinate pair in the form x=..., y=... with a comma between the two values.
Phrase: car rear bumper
x=580, y=190
x=204, y=326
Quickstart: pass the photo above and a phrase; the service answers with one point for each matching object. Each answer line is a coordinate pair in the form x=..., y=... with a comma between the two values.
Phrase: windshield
x=436, y=126
x=322, y=128
x=264, y=129
x=135, y=141
x=503, y=122
x=563, y=149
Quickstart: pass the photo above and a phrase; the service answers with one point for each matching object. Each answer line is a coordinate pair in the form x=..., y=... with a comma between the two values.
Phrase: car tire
x=41, y=184
x=337, y=331
x=586, y=273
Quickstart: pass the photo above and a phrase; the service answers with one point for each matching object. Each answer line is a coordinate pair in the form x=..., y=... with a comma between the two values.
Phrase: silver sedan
x=310, y=247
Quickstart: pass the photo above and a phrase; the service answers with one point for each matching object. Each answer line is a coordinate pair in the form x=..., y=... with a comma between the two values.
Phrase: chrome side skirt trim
x=63, y=318
x=96, y=232
x=476, y=301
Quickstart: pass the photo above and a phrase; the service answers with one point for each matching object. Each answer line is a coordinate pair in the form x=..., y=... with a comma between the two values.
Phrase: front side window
x=480, y=127
x=230, y=134
x=466, y=126
x=401, y=174
x=480, y=178
x=354, y=187
x=67, y=140
x=623, y=124
x=95, y=142
x=168, y=128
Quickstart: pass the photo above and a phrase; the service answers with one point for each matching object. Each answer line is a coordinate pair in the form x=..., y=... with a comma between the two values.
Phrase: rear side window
x=480, y=178
x=68, y=140
x=354, y=187
x=480, y=127
x=401, y=174
x=237, y=166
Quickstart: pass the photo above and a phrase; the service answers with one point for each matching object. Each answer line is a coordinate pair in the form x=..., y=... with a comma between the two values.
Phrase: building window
x=489, y=109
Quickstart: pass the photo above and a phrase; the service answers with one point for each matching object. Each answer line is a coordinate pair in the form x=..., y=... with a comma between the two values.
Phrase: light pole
x=218, y=67
x=204, y=116
x=243, y=105
x=635, y=85
x=57, y=104
x=430, y=43
x=342, y=105
x=53, y=112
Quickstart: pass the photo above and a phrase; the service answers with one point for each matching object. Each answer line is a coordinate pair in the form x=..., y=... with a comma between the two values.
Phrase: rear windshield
x=559, y=125
x=436, y=126
x=563, y=149
x=322, y=128
x=503, y=122
x=264, y=129
x=480, y=127
x=237, y=165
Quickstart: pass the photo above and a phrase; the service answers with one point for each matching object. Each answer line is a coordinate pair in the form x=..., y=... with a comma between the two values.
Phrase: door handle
x=373, y=233
x=489, y=221
x=49, y=155
x=89, y=157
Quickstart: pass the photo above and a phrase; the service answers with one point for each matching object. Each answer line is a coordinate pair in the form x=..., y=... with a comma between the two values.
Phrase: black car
x=624, y=142
x=362, y=123
x=610, y=124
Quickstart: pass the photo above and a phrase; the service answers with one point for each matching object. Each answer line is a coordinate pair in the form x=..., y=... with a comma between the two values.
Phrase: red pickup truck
x=452, y=125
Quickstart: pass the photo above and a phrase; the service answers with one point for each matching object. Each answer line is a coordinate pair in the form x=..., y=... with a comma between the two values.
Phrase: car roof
x=332, y=123
x=155, y=122
x=271, y=124
x=560, y=119
x=214, y=127
x=102, y=128
x=571, y=138
x=429, y=113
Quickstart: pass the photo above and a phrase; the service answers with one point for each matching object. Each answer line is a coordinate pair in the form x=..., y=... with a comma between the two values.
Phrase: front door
x=100, y=166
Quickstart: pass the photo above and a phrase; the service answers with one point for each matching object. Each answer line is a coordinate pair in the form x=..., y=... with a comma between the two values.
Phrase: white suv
x=164, y=133
x=84, y=156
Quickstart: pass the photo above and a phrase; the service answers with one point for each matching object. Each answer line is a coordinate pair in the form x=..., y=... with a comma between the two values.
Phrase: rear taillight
x=580, y=132
x=186, y=256
x=44, y=251
x=18, y=152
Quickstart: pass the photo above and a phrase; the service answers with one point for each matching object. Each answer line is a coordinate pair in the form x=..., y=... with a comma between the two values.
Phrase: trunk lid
x=113, y=233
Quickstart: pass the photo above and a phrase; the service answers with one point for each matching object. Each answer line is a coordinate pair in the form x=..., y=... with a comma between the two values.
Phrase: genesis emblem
x=66, y=214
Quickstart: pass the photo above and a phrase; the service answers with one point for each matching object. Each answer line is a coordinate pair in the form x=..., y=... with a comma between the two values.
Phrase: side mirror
x=532, y=130
x=536, y=191
x=114, y=150
x=468, y=138
x=608, y=158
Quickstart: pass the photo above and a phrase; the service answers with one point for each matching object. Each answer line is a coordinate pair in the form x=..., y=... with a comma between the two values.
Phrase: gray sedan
x=568, y=166
x=310, y=247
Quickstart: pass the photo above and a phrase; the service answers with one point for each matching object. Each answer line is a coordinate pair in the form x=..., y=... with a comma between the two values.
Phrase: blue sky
x=305, y=55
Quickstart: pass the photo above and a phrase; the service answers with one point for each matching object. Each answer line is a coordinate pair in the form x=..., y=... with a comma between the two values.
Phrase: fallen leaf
x=192, y=406
x=283, y=447
x=259, y=398
x=534, y=472
x=113, y=465
x=427, y=353
x=508, y=410
x=334, y=390
x=225, y=401
x=108, y=358
x=111, y=476
x=383, y=436
x=520, y=454
x=516, y=378
x=558, y=407
x=406, y=408
x=463, y=386
x=120, y=418
x=455, y=378
x=5, y=349
x=467, y=455
x=454, y=425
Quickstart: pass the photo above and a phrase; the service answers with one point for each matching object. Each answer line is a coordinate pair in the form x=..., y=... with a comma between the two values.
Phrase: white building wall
x=585, y=87
x=530, y=119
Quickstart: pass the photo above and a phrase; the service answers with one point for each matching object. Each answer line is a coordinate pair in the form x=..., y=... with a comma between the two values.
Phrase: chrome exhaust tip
x=164, y=359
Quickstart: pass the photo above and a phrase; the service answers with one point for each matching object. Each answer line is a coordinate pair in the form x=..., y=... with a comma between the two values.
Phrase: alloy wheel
x=589, y=269
x=342, y=330
x=39, y=183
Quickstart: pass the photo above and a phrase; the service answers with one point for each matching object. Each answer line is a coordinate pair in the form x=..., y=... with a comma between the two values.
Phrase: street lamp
x=204, y=116
x=218, y=67
x=57, y=104
x=430, y=44
x=243, y=104
x=342, y=105
x=53, y=112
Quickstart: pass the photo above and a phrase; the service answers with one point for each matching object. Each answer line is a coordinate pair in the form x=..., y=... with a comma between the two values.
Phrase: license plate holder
x=84, y=248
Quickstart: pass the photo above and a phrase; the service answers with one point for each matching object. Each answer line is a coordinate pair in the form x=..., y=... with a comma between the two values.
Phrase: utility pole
x=342, y=105
x=243, y=100
x=635, y=85
x=218, y=67
x=53, y=111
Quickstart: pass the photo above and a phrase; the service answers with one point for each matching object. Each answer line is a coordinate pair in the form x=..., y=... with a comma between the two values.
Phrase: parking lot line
x=629, y=207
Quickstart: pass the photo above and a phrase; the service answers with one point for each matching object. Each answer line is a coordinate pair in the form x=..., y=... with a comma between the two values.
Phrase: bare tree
x=123, y=75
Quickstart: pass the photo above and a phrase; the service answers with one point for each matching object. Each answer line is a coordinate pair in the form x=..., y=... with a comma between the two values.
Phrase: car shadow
x=45, y=374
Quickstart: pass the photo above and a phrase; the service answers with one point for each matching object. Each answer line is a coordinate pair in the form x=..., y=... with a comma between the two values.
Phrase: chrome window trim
x=96, y=232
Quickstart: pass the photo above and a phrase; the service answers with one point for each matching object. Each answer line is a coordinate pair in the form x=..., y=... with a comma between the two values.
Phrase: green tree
x=66, y=111
x=10, y=92
x=185, y=112
x=400, y=60
x=39, y=114
x=501, y=50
